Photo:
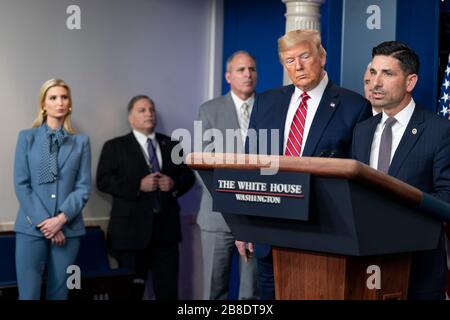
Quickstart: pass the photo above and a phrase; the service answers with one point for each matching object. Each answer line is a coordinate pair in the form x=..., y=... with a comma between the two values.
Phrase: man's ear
x=323, y=56
x=227, y=77
x=411, y=81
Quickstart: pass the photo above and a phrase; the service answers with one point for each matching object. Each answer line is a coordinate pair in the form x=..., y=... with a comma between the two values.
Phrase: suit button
x=53, y=196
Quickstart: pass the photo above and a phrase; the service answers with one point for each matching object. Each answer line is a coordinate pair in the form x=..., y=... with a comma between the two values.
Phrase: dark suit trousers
x=428, y=274
x=161, y=260
x=265, y=279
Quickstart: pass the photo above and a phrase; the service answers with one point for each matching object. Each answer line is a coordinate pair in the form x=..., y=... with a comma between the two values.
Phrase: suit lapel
x=65, y=149
x=412, y=134
x=41, y=137
x=230, y=117
x=134, y=150
x=366, y=136
x=328, y=104
x=281, y=120
x=165, y=151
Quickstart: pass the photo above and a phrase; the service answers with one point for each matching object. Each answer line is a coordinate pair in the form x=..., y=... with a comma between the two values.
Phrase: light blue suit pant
x=36, y=255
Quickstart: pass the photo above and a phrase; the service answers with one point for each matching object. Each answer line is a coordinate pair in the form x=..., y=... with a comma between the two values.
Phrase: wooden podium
x=359, y=219
x=303, y=275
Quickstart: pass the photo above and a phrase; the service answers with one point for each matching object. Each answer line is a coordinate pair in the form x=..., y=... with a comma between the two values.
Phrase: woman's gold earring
x=70, y=109
x=43, y=111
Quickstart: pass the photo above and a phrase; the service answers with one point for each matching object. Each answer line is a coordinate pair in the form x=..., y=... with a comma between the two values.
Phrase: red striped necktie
x=295, y=139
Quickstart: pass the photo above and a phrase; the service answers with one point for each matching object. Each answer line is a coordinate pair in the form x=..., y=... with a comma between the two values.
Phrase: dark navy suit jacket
x=422, y=160
x=331, y=131
x=120, y=169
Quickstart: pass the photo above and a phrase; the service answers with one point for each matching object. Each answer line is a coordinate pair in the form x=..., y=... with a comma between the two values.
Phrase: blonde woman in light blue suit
x=52, y=180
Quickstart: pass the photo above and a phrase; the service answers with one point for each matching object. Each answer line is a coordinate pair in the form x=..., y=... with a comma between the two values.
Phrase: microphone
x=332, y=153
x=323, y=153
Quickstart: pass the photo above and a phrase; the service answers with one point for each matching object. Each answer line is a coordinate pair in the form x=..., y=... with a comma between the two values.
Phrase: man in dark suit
x=313, y=117
x=144, y=227
x=411, y=144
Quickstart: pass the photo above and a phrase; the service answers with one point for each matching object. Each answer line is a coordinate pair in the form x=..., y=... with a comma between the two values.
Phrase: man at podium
x=314, y=117
x=410, y=144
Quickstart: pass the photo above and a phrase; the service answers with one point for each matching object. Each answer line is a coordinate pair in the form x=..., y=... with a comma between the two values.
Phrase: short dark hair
x=409, y=60
x=137, y=98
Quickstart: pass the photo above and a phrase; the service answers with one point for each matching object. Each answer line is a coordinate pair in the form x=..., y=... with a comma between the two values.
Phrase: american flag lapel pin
x=332, y=104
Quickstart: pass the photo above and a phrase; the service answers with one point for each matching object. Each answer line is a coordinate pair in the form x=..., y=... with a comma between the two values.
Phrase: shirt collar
x=142, y=138
x=403, y=116
x=49, y=130
x=56, y=135
x=316, y=93
x=238, y=101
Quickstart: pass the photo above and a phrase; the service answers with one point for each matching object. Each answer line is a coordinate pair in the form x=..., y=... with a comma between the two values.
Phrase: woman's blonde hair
x=42, y=115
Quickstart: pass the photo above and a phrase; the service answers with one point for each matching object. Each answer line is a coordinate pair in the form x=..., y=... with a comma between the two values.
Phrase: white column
x=215, y=48
x=301, y=14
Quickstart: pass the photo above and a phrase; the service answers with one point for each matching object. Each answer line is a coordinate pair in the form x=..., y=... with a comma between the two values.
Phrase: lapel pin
x=414, y=131
x=332, y=104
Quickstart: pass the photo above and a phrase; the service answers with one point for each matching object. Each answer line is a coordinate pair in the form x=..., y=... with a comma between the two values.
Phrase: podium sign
x=247, y=192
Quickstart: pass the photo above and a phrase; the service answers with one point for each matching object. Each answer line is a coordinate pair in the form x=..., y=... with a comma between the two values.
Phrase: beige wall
x=124, y=48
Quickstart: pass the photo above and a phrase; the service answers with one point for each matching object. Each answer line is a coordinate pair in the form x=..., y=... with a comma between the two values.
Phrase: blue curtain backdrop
x=256, y=25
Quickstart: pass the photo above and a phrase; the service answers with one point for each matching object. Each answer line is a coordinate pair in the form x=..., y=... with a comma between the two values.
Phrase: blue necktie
x=154, y=167
x=152, y=158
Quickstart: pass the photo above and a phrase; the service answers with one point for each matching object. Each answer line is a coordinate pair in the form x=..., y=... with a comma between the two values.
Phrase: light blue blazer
x=68, y=194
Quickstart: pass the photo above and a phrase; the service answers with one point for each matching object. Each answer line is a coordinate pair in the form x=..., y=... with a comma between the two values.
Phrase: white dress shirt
x=313, y=104
x=142, y=140
x=237, y=104
x=398, y=129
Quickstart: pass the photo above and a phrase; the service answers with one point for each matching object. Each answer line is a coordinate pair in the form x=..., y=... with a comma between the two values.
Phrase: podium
x=357, y=241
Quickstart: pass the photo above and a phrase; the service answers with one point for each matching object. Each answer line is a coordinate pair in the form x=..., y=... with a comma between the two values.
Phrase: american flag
x=444, y=110
x=444, y=100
